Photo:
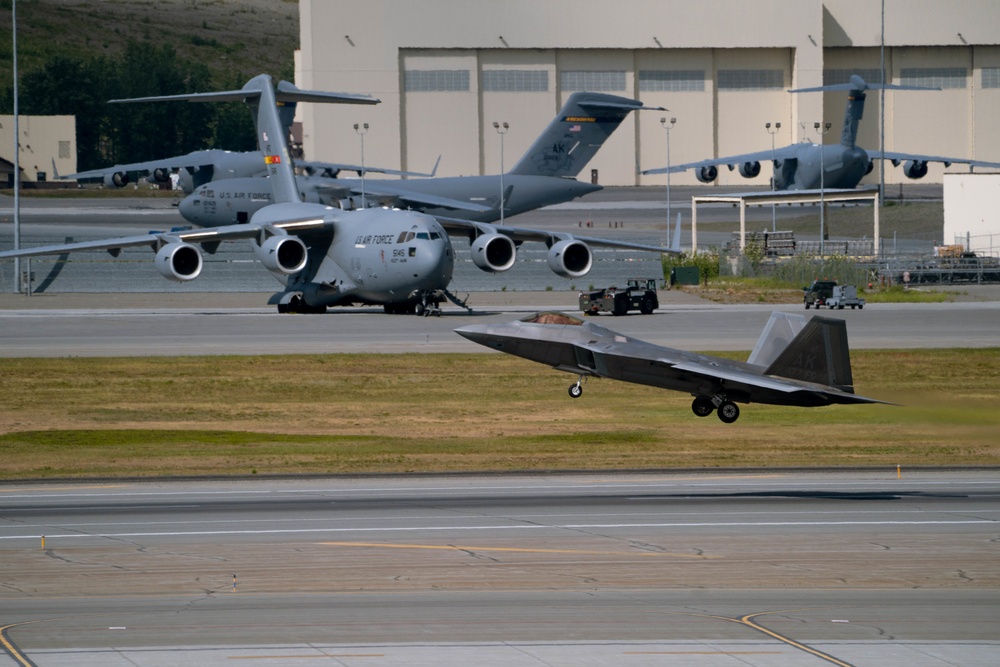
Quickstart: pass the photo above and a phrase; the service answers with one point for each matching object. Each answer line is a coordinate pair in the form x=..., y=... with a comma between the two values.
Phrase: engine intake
x=179, y=262
x=160, y=175
x=118, y=179
x=494, y=253
x=283, y=254
x=915, y=168
x=570, y=258
x=750, y=169
x=707, y=174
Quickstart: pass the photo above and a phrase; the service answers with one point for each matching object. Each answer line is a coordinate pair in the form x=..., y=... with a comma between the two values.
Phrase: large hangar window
x=674, y=81
x=751, y=79
x=436, y=80
x=991, y=77
x=597, y=81
x=833, y=77
x=934, y=77
x=515, y=81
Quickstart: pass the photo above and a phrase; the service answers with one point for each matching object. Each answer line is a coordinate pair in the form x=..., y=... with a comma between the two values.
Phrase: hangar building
x=445, y=70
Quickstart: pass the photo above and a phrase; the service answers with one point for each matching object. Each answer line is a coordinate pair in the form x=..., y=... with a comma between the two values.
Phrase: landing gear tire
x=576, y=390
x=729, y=412
x=702, y=406
x=420, y=309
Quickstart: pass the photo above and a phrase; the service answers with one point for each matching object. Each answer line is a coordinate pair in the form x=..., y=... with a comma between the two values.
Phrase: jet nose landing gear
x=728, y=411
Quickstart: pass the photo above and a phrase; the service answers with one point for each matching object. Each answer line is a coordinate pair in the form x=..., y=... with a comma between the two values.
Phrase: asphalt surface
x=721, y=569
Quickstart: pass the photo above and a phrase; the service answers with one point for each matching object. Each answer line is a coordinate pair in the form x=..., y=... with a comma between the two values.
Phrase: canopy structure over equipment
x=781, y=197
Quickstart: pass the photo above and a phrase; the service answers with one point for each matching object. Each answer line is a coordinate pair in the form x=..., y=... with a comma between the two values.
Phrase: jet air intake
x=494, y=253
x=750, y=169
x=915, y=168
x=178, y=261
x=283, y=254
x=118, y=179
x=570, y=258
x=707, y=174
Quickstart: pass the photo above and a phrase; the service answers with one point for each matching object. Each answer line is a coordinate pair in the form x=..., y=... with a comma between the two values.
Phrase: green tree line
x=120, y=133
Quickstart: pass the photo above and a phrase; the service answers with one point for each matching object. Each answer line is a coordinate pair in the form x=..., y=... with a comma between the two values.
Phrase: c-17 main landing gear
x=728, y=411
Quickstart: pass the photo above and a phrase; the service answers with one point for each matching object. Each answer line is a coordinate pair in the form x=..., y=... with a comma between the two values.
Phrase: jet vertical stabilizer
x=573, y=138
x=818, y=354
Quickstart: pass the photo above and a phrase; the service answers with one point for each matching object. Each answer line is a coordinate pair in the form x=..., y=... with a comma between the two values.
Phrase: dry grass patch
x=420, y=412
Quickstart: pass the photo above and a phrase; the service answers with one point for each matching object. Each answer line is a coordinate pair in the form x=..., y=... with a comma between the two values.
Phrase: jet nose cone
x=475, y=332
x=187, y=209
x=480, y=333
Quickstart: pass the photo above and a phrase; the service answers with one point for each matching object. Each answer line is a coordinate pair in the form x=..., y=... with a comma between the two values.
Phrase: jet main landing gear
x=728, y=411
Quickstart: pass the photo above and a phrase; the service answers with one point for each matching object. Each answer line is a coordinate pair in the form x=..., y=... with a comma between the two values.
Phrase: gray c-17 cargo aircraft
x=327, y=256
x=797, y=167
x=545, y=175
x=200, y=167
x=795, y=362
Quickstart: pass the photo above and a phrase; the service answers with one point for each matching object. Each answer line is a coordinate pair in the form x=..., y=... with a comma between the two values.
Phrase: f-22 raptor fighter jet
x=795, y=361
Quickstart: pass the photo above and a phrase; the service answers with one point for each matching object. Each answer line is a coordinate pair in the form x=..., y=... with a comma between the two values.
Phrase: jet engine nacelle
x=283, y=254
x=159, y=175
x=494, y=253
x=915, y=168
x=178, y=261
x=118, y=179
x=750, y=169
x=570, y=258
x=707, y=174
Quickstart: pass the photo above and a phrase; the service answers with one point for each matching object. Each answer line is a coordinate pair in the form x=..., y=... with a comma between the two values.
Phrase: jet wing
x=389, y=190
x=333, y=168
x=732, y=161
x=896, y=158
x=454, y=225
x=194, y=160
x=156, y=239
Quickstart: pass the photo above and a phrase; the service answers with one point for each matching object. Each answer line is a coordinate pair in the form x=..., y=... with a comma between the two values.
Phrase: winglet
x=675, y=242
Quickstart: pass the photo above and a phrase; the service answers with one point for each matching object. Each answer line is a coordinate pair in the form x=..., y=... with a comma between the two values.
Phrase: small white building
x=972, y=212
x=45, y=140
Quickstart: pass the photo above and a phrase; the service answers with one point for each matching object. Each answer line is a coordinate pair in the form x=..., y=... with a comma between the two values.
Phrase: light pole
x=774, y=171
x=668, y=126
x=822, y=186
x=17, y=162
x=362, y=130
x=501, y=129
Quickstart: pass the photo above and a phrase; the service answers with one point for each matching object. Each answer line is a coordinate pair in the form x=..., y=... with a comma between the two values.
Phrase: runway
x=714, y=569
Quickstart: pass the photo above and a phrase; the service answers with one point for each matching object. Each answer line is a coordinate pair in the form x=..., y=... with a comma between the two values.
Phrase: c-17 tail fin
x=575, y=135
x=269, y=121
x=817, y=352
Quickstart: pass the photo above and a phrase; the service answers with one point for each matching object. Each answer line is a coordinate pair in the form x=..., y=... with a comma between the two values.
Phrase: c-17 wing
x=219, y=164
x=332, y=169
x=393, y=193
x=156, y=240
x=731, y=161
x=521, y=234
x=896, y=158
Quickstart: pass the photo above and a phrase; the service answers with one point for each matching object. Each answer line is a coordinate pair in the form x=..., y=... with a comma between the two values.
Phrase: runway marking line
x=12, y=650
x=750, y=623
x=458, y=547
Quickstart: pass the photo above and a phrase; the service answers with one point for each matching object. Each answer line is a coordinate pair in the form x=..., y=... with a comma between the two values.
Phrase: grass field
x=474, y=412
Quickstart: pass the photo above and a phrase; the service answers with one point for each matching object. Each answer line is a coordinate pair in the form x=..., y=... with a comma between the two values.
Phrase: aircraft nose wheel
x=576, y=390
x=729, y=412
